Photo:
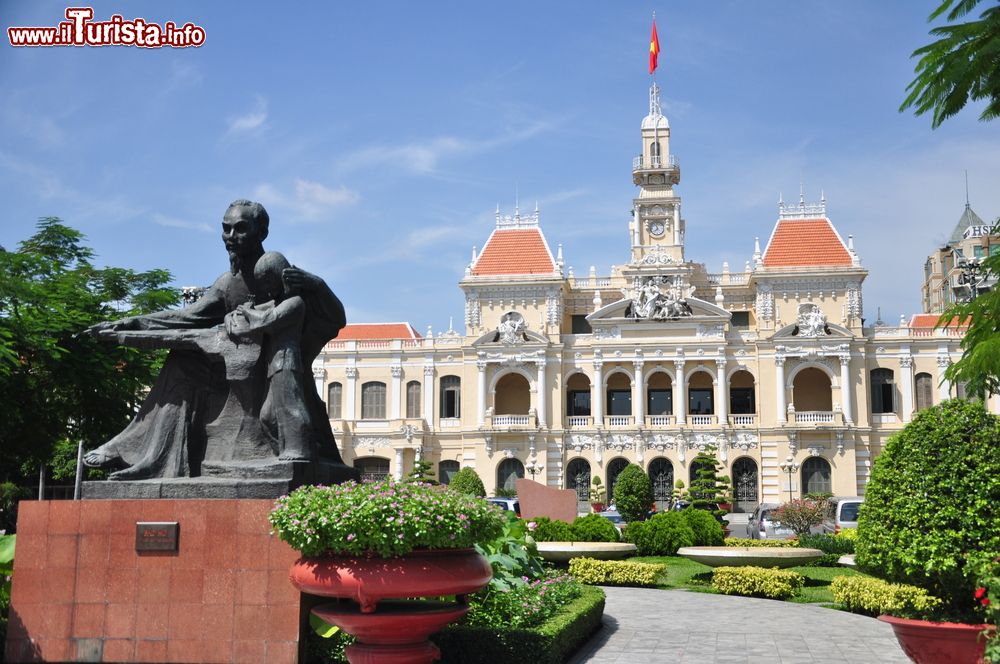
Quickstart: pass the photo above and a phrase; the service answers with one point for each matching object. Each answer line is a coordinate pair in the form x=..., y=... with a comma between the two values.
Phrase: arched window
x=578, y=479
x=654, y=149
x=372, y=469
x=373, y=401
x=925, y=391
x=659, y=395
x=816, y=476
x=413, y=399
x=741, y=394
x=661, y=475
x=447, y=470
x=882, y=391
x=701, y=394
x=512, y=395
x=615, y=467
x=334, y=395
x=508, y=473
x=619, y=401
x=812, y=391
x=744, y=482
x=451, y=396
x=578, y=395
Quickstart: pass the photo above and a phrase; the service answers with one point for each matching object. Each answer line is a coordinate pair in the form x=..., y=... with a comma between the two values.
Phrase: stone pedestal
x=82, y=592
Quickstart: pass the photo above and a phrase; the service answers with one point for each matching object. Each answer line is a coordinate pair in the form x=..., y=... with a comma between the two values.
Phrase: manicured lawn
x=688, y=575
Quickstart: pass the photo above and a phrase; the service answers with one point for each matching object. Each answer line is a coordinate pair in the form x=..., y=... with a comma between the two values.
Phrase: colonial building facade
x=560, y=377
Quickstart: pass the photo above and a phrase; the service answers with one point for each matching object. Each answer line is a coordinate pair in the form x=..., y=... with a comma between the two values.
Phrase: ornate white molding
x=319, y=373
x=906, y=361
x=840, y=442
x=744, y=441
x=579, y=442
x=793, y=442
x=943, y=360
x=710, y=331
x=511, y=328
x=488, y=442
x=509, y=452
x=612, y=332
x=553, y=308
x=764, y=304
x=370, y=442
x=351, y=372
x=661, y=442
x=620, y=442
x=472, y=311
x=812, y=323
x=396, y=370
x=815, y=450
x=429, y=370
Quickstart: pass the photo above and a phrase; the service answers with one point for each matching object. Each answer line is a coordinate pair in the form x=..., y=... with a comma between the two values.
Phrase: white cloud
x=308, y=200
x=252, y=119
x=173, y=222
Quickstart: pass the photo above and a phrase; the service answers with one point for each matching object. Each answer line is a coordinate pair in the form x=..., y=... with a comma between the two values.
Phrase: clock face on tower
x=656, y=228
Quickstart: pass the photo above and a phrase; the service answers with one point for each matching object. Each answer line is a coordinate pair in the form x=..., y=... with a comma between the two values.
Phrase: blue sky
x=381, y=136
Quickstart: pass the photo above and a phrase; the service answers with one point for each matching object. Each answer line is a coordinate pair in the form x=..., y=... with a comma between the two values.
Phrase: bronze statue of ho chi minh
x=236, y=399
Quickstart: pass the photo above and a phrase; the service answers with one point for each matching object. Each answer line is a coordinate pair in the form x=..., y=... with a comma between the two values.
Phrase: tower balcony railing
x=619, y=420
x=815, y=417
x=644, y=163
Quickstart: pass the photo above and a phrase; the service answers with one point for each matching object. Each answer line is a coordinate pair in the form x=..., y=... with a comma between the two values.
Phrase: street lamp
x=533, y=468
x=789, y=466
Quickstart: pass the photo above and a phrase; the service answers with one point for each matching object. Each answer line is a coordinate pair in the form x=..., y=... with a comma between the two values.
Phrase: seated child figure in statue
x=279, y=317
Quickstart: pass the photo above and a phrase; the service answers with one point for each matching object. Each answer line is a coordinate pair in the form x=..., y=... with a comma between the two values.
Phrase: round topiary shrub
x=467, y=481
x=594, y=528
x=633, y=493
x=707, y=530
x=549, y=530
x=931, y=506
x=661, y=535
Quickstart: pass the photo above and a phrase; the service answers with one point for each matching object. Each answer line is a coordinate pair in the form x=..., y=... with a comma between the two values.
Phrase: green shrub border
x=552, y=642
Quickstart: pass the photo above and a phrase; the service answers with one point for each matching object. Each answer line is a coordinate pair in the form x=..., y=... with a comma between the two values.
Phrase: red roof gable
x=364, y=331
x=806, y=242
x=515, y=251
x=931, y=320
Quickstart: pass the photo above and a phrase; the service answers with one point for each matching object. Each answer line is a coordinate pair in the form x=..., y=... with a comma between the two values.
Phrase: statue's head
x=267, y=275
x=244, y=227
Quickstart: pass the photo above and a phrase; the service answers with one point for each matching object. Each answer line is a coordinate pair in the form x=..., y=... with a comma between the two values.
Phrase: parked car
x=844, y=513
x=507, y=504
x=761, y=525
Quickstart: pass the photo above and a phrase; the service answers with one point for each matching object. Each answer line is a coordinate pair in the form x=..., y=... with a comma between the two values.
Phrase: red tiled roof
x=931, y=320
x=363, y=331
x=805, y=242
x=515, y=251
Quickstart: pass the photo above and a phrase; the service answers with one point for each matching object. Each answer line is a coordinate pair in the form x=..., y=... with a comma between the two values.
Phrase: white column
x=846, y=389
x=397, y=374
x=481, y=395
x=352, y=387
x=597, y=392
x=428, y=389
x=721, y=393
x=781, y=415
x=680, y=393
x=398, y=473
x=638, y=395
x=543, y=390
x=319, y=376
x=944, y=389
x=906, y=385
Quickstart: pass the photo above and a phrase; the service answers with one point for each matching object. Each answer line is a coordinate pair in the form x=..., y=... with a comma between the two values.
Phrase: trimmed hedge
x=747, y=542
x=552, y=642
x=615, y=572
x=828, y=543
x=552, y=530
x=633, y=493
x=467, y=481
x=594, y=528
x=873, y=597
x=661, y=535
x=707, y=529
x=756, y=582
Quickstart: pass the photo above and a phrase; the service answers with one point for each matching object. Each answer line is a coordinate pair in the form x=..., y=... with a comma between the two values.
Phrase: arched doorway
x=578, y=479
x=661, y=475
x=615, y=467
x=372, y=469
x=816, y=476
x=812, y=391
x=508, y=473
x=745, y=485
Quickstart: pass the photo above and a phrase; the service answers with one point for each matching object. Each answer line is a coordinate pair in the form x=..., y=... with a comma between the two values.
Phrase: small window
x=882, y=391
x=413, y=399
x=334, y=395
x=654, y=149
x=373, y=401
x=978, y=251
x=740, y=320
x=700, y=402
x=994, y=249
x=925, y=391
x=580, y=325
x=816, y=476
x=741, y=400
x=659, y=402
x=578, y=403
x=451, y=395
x=447, y=470
x=619, y=402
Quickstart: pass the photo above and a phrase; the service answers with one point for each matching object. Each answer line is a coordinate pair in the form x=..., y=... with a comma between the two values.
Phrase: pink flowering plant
x=526, y=605
x=382, y=519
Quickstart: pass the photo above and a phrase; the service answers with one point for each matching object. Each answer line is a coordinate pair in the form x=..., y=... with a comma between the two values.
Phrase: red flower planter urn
x=388, y=629
x=927, y=642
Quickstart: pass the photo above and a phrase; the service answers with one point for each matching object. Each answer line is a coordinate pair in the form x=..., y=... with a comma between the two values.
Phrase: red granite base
x=81, y=592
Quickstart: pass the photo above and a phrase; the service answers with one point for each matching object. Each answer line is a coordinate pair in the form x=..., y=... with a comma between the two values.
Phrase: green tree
x=56, y=383
x=422, y=473
x=633, y=493
x=963, y=64
x=708, y=487
x=467, y=481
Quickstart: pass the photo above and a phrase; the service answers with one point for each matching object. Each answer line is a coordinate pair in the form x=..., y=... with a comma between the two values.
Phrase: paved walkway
x=644, y=626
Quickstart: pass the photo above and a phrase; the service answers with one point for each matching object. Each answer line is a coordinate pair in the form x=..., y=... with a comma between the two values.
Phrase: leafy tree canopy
x=57, y=384
x=963, y=64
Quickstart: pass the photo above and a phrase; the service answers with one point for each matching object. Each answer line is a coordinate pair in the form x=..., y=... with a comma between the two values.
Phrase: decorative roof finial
x=966, y=188
x=654, y=101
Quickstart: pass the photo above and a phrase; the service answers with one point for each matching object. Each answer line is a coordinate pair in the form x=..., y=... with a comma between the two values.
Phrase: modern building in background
x=559, y=376
x=952, y=271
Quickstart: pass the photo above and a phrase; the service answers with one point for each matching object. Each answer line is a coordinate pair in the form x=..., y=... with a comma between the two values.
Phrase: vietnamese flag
x=654, y=49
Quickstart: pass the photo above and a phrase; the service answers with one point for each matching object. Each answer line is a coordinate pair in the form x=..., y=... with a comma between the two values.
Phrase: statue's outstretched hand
x=112, y=326
x=297, y=279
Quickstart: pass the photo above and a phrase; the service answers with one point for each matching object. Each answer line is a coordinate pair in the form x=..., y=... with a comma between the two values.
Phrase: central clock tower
x=657, y=228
